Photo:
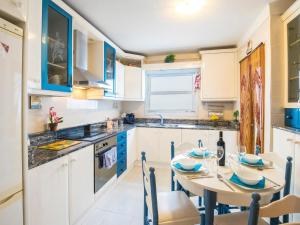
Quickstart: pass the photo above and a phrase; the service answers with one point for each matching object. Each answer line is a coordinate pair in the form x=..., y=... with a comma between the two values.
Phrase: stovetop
x=84, y=133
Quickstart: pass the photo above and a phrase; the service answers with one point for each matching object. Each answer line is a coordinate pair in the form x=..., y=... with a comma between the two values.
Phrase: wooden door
x=246, y=119
x=252, y=73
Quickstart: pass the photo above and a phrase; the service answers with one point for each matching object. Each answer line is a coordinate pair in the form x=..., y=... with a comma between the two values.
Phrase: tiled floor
x=123, y=203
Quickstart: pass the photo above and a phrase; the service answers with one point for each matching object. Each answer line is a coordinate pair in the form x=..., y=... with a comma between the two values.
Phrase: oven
x=105, y=162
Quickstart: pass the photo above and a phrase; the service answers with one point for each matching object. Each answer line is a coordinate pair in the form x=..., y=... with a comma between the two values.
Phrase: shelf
x=54, y=40
x=56, y=65
x=294, y=78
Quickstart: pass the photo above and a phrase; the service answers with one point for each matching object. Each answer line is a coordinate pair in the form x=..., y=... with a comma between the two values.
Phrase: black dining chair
x=254, y=216
x=165, y=208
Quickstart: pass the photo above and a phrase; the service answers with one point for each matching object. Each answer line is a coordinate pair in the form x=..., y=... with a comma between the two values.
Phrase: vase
x=53, y=126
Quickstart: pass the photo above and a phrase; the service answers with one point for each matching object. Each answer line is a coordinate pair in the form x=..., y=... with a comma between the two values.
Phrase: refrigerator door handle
x=2, y=202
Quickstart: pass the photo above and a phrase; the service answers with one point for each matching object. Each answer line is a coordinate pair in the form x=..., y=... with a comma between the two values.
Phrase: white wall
x=138, y=108
x=267, y=28
x=75, y=112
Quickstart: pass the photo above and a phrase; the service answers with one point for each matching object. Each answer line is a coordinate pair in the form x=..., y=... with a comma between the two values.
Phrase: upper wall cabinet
x=219, y=75
x=56, y=48
x=291, y=22
x=109, y=69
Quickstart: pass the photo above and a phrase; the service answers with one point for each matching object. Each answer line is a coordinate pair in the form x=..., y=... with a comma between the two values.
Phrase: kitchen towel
x=110, y=158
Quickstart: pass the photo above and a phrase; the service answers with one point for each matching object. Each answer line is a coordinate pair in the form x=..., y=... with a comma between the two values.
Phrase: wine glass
x=241, y=151
x=220, y=154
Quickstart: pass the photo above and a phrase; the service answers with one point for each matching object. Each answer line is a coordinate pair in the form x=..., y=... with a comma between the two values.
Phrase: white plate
x=268, y=185
x=202, y=169
x=248, y=177
x=251, y=158
x=187, y=163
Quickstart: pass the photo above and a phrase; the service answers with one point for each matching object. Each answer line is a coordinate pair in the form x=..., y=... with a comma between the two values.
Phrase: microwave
x=292, y=117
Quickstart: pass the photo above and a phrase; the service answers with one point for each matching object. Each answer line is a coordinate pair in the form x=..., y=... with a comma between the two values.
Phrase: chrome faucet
x=161, y=119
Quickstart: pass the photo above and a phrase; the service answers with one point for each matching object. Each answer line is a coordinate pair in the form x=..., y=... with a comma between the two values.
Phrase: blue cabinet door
x=110, y=69
x=56, y=48
x=121, y=153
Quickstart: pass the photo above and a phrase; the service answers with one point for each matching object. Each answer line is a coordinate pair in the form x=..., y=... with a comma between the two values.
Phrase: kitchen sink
x=170, y=125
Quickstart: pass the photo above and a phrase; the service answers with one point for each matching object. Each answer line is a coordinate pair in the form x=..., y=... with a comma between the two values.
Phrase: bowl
x=250, y=158
x=187, y=164
x=200, y=151
x=248, y=177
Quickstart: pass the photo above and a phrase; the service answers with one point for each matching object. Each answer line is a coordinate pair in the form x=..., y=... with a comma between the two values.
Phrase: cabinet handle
x=65, y=164
x=290, y=140
x=73, y=160
x=297, y=142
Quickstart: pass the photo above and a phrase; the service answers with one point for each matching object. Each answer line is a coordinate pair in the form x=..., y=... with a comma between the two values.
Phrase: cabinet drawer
x=121, y=165
x=122, y=136
x=121, y=153
x=122, y=144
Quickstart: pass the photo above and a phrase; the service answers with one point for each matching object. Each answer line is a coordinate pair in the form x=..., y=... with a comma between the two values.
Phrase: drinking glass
x=220, y=154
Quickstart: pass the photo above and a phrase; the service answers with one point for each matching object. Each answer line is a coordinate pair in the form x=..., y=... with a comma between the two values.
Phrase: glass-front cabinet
x=293, y=64
x=109, y=68
x=56, y=48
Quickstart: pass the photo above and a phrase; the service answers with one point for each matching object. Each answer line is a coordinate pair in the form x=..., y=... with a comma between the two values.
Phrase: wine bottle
x=221, y=143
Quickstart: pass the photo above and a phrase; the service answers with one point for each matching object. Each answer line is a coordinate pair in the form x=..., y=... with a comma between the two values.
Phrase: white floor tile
x=123, y=203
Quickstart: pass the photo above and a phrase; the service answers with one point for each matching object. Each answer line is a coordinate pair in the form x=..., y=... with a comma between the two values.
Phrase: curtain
x=252, y=73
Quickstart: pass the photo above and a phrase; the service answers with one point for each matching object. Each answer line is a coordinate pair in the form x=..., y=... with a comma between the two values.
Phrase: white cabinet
x=148, y=142
x=61, y=190
x=219, y=75
x=11, y=211
x=120, y=73
x=81, y=182
x=193, y=136
x=48, y=193
x=131, y=147
x=165, y=138
x=15, y=8
x=283, y=143
x=210, y=137
x=156, y=142
x=134, y=84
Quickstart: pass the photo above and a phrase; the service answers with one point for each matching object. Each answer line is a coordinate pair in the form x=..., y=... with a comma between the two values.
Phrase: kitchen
x=88, y=93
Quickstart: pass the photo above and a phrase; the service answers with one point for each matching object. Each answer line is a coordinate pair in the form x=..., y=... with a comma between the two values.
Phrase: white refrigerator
x=11, y=187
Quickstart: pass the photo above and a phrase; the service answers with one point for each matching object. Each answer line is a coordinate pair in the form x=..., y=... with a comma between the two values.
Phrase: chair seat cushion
x=239, y=218
x=175, y=208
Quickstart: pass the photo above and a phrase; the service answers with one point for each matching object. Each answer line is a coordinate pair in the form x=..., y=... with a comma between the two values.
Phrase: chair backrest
x=150, y=189
x=288, y=204
x=182, y=148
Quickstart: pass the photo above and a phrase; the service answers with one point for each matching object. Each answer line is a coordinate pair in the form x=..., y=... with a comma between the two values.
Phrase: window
x=171, y=91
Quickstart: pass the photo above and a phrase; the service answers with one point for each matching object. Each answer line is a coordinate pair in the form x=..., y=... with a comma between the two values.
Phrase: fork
x=221, y=178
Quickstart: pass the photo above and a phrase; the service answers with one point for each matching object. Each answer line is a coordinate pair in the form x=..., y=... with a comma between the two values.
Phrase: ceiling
x=154, y=26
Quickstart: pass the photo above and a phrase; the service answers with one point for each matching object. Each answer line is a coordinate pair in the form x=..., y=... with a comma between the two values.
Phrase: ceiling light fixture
x=189, y=6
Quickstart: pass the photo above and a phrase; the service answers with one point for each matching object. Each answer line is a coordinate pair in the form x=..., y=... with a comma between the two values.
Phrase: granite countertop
x=289, y=129
x=37, y=156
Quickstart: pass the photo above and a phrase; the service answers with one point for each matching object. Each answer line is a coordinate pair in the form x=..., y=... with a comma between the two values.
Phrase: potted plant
x=170, y=58
x=54, y=120
x=236, y=115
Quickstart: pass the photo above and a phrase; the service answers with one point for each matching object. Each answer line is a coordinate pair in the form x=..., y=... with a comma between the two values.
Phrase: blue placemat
x=259, y=162
x=260, y=185
x=194, y=154
x=196, y=167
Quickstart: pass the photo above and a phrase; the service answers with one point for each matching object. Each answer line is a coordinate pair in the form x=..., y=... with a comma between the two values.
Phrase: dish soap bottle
x=221, y=144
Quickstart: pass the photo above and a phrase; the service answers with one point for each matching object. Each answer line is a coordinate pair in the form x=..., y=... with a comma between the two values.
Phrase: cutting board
x=59, y=145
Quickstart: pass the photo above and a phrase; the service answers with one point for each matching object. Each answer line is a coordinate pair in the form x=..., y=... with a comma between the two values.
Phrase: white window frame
x=172, y=72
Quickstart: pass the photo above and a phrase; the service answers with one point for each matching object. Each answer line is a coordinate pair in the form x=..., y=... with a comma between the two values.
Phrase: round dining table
x=219, y=189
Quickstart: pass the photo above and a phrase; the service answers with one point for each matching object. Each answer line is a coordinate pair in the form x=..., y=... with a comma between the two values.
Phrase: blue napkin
x=201, y=155
x=196, y=167
x=258, y=163
x=260, y=185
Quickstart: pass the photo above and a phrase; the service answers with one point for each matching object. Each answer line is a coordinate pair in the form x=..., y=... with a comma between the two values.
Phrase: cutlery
x=191, y=177
x=221, y=178
x=278, y=185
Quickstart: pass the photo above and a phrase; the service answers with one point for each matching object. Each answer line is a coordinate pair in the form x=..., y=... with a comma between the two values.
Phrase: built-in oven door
x=105, y=166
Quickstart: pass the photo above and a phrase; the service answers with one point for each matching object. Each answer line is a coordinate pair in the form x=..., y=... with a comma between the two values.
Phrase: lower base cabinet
x=61, y=190
x=131, y=147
